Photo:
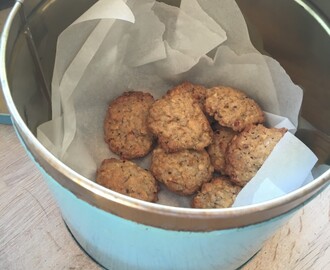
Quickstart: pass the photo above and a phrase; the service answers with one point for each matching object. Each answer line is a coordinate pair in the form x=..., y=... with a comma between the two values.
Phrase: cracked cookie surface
x=248, y=150
x=196, y=91
x=217, y=149
x=219, y=193
x=125, y=125
x=182, y=172
x=127, y=178
x=179, y=123
x=232, y=108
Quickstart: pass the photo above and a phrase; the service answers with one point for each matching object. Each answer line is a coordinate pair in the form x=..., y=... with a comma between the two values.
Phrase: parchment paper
x=149, y=46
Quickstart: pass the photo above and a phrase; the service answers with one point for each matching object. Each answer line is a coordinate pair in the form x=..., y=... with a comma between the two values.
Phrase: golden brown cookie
x=198, y=92
x=125, y=125
x=248, y=150
x=179, y=123
x=232, y=108
x=127, y=178
x=182, y=172
x=217, y=149
x=219, y=193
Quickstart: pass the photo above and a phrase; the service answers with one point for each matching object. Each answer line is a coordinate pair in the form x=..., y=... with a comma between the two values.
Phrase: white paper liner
x=149, y=46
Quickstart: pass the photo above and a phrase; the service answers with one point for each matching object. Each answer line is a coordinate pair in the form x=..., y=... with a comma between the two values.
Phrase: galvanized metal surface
x=4, y=116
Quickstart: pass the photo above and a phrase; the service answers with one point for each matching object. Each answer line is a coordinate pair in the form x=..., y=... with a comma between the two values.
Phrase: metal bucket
x=123, y=233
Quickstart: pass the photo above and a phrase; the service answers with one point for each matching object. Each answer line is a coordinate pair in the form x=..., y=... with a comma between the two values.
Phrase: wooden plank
x=32, y=232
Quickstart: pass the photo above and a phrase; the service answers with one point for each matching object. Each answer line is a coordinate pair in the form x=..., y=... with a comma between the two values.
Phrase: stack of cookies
x=205, y=142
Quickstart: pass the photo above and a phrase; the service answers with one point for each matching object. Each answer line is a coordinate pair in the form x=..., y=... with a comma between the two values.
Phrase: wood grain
x=34, y=236
x=32, y=232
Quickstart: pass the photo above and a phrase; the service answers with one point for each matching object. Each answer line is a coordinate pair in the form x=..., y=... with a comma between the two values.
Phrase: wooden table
x=34, y=236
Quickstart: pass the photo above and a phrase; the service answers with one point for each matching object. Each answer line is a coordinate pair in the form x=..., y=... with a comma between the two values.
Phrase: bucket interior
x=282, y=29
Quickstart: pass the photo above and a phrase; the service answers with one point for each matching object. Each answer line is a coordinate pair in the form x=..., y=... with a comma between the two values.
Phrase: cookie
x=197, y=92
x=219, y=193
x=182, y=172
x=127, y=178
x=248, y=150
x=125, y=125
x=217, y=149
x=232, y=108
x=179, y=123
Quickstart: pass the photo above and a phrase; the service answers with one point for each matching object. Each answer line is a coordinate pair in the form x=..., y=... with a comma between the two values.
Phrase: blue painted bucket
x=124, y=233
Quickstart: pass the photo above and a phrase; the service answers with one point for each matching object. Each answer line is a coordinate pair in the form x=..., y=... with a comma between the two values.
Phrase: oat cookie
x=125, y=125
x=198, y=92
x=182, y=172
x=219, y=193
x=247, y=152
x=232, y=108
x=179, y=123
x=217, y=149
x=127, y=178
